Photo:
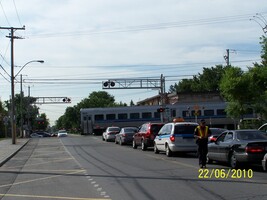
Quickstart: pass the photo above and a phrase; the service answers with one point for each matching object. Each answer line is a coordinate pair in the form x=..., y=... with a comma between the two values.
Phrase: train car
x=96, y=120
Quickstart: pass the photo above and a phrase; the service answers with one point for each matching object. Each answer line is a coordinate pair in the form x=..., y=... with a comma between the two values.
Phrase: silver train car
x=96, y=120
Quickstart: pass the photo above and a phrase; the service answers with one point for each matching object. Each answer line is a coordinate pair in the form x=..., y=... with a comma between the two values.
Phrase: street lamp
x=13, y=113
x=40, y=61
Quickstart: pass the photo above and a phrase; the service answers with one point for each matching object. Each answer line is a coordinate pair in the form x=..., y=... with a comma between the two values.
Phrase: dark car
x=146, y=135
x=41, y=134
x=215, y=132
x=238, y=147
x=125, y=136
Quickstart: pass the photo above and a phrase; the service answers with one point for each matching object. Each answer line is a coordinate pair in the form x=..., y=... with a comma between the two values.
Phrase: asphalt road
x=85, y=167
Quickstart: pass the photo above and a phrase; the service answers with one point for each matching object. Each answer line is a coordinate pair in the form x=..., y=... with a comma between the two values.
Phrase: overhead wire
x=17, y=12
x=4, y=13
x=166, y=25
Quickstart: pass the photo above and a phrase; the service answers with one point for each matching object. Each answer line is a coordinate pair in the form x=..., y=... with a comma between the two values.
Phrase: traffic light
x=161, y=109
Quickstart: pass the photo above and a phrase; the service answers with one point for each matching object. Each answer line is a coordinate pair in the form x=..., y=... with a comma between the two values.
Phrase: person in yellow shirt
x=202, y=133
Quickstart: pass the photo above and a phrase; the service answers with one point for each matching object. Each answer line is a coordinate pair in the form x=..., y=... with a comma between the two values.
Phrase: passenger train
x=96, y=120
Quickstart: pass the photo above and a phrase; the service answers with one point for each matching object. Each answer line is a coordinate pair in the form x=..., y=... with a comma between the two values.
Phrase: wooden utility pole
x=13, y=113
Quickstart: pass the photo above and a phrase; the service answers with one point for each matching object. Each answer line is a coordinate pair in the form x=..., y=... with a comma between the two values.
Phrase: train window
x=134, y=116
x=208, y=112
x=221, y=112
x=156, y=114
x=194, y=113
x=173, y=113
x=122, y=116
x=99, y=117
x=84, y=118
x=110, y=116
x=186, y=113
x=146, y=115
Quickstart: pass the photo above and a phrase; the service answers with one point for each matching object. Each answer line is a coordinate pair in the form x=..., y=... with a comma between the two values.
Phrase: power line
x=4, y=13
x=166, y=25
x=17, y=13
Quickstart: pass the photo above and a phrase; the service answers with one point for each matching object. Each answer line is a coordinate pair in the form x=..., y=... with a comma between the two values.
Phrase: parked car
x=215, y=132
x=263, y=128
x=125, y=136
x=146, y=135
x=109, y=133
x=264, y=162
x=238, y=147
x=62, y=133
x=41, y=134
x=35, y=135
x=176, y=137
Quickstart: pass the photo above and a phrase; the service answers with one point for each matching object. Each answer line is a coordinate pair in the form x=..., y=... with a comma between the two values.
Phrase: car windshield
x=251, y=135
x=130, y=130
x=184, y=129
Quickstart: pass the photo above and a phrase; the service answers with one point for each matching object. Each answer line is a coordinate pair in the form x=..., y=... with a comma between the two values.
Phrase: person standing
x=202, y=133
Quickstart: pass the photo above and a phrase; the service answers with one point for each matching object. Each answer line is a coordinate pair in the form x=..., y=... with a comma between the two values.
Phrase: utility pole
x=226, y=57
x=13, y=113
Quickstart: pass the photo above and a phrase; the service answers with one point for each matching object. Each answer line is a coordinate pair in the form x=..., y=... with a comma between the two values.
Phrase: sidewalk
x=7, y=149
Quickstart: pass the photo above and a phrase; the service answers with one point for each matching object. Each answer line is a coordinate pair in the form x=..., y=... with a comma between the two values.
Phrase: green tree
x=97, y=99
x=207, y=81
x=26, y=110
x=235, y=87
x=71, y=118
x=3, y=113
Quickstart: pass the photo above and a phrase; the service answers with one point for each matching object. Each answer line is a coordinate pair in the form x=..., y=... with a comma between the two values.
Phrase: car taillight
x=172, y=138
x=148, y=133
x=251, y=149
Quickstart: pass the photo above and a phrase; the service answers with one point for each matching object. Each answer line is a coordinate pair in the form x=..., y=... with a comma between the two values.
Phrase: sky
x=85, y=42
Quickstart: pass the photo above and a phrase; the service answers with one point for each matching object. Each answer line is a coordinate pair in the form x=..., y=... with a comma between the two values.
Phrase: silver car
x=110, y=132
x=176, y=137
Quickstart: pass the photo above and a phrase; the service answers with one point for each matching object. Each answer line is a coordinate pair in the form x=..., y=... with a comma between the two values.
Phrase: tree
x=208, y=81
x=3, y=113
x=71, y=118
x=25, y=110
x=97, y=99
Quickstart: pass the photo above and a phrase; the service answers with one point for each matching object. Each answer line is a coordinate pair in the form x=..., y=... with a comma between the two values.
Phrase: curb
x=2, y=162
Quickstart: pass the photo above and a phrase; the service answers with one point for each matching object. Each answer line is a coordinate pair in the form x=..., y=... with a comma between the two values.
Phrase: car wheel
x=168, y=151
x=134, y=145
x=143, y=146
x=233, y=161
x=156, y=151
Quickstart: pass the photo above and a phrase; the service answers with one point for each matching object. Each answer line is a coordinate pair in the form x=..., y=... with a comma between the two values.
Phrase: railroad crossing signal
x=52, y=100
x=134, y=84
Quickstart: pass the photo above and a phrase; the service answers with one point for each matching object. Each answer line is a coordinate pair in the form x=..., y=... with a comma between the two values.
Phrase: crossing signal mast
x=52, y=100
x=130, y=83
